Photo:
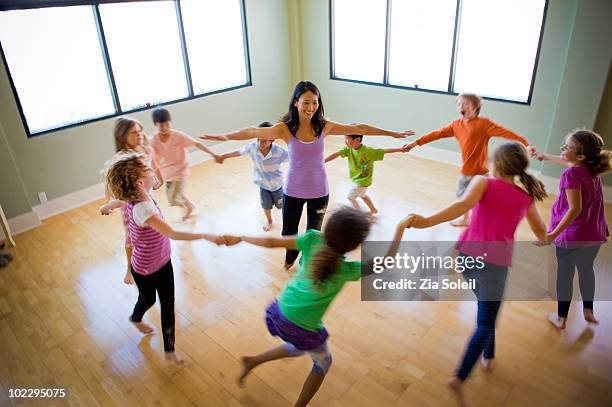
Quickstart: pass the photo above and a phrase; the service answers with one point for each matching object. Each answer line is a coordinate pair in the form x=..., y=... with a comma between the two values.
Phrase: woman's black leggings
x=161, y=281
x=292, y=213
x=568, y=260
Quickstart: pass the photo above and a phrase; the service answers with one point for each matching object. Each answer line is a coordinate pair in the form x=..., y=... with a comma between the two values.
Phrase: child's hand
x=545, y=242
x=533, y=152
x=128, y=279
x=407, y=147
x=105, y=210
x=406, y=222
x=403, y=134
x=231, y=240
x=217, y=138
x=541, y=156
x=217, y=239
x=417, y=221
x=158, y=185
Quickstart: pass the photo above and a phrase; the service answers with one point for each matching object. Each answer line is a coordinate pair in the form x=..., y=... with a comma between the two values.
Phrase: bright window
x=359, y=39
x=57, y=68
x=220, y=63
x=145, y=52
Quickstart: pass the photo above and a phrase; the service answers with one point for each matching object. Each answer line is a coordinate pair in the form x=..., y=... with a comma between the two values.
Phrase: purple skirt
x=302, y=339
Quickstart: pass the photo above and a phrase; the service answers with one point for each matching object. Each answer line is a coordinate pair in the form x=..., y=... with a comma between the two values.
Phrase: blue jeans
x=490, y=284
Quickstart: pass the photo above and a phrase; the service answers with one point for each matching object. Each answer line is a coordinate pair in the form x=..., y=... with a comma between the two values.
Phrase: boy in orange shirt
x=473, y=133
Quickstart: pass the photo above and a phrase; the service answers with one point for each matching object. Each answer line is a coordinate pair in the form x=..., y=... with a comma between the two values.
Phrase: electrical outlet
x=42, y=197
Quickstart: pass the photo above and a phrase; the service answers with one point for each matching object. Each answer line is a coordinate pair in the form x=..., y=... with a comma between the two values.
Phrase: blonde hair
x=474, y=99
x=512, y=160
x=590, y=144
x=123, y=175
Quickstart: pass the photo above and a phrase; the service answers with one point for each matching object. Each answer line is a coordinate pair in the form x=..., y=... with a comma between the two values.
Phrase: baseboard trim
x=23, y=223
x=53, y=207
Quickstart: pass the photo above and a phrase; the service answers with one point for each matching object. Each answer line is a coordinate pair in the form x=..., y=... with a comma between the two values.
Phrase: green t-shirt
x=361, y=163
x=304, y=303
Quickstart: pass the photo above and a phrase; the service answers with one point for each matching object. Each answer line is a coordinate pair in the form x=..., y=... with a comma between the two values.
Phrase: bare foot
x=589, y=317
x=287, y=266
x=188, y=211
x=456, y=386
x=247, y=366
x=556, y=320
x=266, y=227
x=487, y=364
x=128, y=279
x=460, y=223
x=174, y=357
x=142, y=327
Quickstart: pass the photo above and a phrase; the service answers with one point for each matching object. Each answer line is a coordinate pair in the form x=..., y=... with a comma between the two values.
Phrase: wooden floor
x=64, y=314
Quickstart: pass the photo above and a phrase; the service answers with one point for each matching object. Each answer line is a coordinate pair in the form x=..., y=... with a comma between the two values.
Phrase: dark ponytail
x=590, y=144
x=345, y=230
x=511, y=159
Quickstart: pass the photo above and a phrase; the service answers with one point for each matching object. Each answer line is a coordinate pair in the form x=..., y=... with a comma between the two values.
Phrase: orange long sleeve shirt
x=473, y=137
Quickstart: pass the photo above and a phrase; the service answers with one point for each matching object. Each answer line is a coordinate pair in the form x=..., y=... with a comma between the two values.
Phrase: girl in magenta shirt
x=498, y=205
x=131, y=180
x=578, y=224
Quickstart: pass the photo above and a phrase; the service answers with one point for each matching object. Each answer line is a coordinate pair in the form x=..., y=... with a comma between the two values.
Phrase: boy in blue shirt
x=267, y=158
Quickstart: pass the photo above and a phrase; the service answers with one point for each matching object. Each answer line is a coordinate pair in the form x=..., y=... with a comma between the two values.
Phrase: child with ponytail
x=578, y=224
x=295, y=316
x=499, y=204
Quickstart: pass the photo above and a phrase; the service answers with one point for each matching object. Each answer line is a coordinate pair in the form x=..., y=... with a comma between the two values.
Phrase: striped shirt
x=266, y=170
x=151, y=249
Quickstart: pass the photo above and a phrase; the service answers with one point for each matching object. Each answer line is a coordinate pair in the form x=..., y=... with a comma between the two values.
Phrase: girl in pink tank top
x=498, y=204
x=130, y=180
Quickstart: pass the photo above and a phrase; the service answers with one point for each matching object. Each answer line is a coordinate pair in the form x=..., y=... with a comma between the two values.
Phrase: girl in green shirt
x=295, y=316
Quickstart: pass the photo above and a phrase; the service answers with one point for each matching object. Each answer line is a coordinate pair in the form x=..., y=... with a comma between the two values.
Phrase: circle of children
x=498, y=195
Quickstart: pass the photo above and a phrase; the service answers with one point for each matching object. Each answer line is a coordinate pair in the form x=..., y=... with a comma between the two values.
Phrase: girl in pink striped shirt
x=131, y=180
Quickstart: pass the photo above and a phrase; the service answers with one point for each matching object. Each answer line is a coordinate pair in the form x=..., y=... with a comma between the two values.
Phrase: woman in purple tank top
x=499, y=205
x=304, y=128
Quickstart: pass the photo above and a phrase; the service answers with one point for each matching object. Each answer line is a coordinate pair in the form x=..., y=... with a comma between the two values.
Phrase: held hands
x=211, y=137
x=407, y=147
x=414, y=221
x=549, y=239
x=225, y=240
x=218, y=158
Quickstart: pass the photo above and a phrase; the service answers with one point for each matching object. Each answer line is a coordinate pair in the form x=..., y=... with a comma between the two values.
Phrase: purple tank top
x=306, y=177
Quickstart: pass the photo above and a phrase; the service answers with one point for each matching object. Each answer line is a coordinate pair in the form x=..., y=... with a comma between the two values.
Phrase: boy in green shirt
x=361, y=167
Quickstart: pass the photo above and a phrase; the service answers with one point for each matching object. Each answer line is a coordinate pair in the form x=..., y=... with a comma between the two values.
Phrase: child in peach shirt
x=473, y=133
x=170, y=156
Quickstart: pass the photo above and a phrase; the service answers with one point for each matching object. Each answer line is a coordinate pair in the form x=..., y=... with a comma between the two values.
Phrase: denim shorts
x=271, y=198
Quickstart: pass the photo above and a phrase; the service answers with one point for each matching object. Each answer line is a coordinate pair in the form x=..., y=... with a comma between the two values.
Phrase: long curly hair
x=123, y=175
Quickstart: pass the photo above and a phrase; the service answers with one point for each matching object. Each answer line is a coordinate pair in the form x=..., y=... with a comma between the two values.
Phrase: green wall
x=289, y=40
x=573, y=65
x=70, y=160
